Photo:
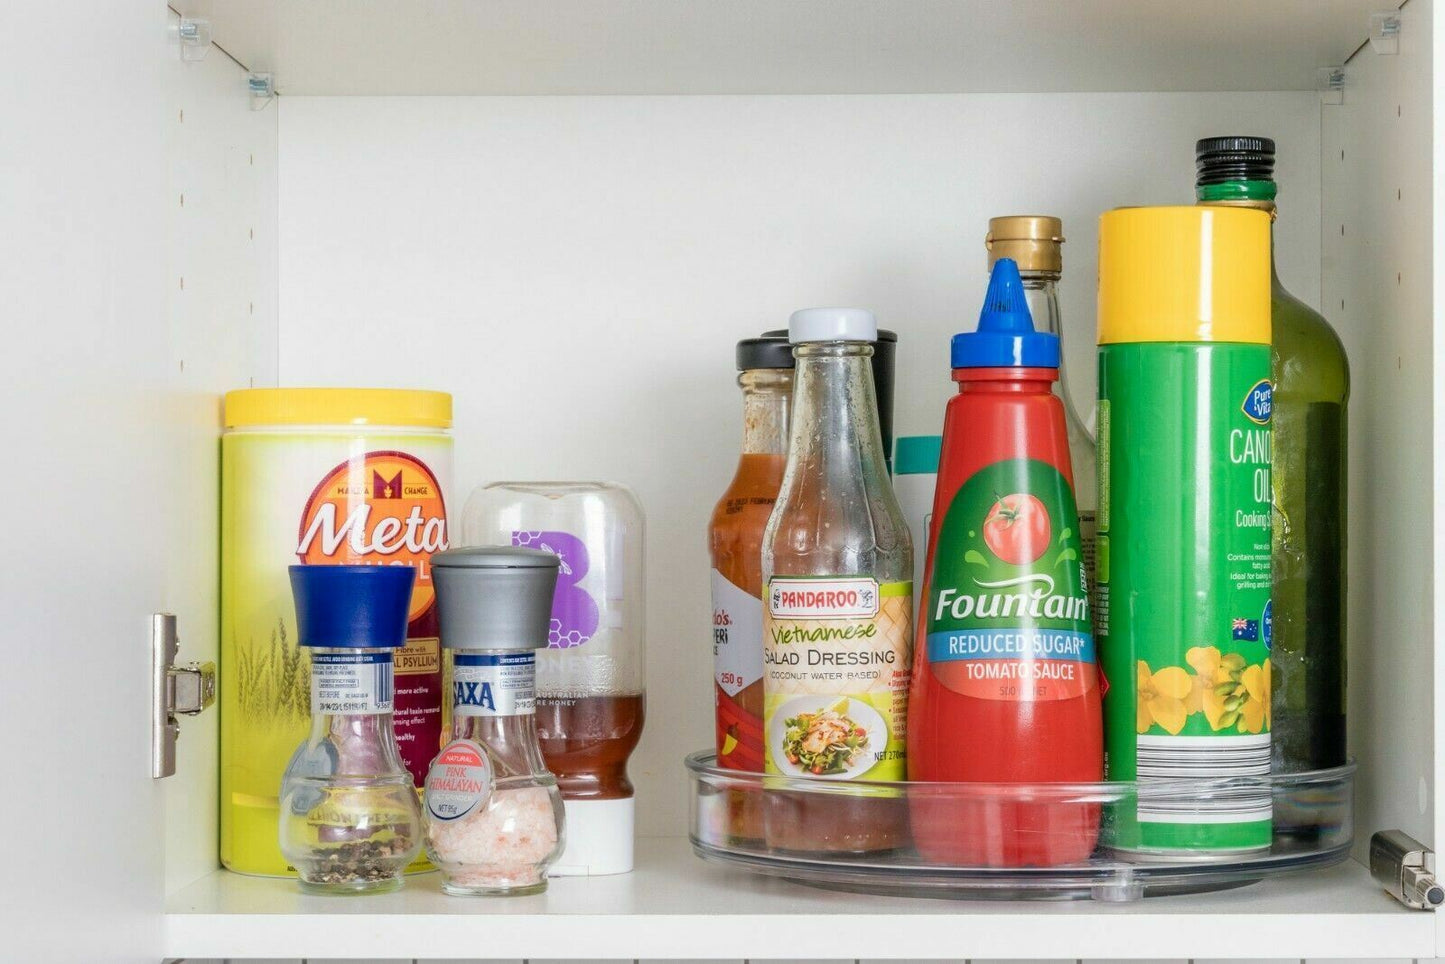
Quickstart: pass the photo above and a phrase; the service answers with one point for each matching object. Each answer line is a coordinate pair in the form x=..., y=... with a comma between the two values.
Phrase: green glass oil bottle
x=1311, y=393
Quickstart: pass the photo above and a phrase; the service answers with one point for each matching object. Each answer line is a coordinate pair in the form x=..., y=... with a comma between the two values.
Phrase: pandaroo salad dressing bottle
x=1005, y=682
x=837, y=615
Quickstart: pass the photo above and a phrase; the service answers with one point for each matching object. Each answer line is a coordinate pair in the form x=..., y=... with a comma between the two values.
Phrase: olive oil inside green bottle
x=1311, y=394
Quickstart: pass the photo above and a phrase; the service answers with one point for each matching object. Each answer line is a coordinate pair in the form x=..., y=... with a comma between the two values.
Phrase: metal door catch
x=186, y=690
x=1406, y=868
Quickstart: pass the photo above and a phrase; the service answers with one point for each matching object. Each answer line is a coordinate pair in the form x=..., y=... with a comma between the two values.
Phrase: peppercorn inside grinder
x=350, y=820
x=494, y=817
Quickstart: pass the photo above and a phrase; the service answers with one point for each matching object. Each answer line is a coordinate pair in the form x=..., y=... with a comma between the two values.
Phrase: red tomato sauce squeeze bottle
x=1005, y=684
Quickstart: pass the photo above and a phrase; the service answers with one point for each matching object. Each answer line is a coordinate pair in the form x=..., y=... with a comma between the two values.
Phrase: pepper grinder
x=494, y=820
x=350, y=818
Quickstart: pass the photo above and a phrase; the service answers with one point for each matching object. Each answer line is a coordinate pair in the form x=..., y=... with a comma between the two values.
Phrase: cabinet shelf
x=762, y=47
x=676, y=906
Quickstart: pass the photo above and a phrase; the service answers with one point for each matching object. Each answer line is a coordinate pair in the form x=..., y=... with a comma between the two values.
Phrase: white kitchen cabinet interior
x=575, y=266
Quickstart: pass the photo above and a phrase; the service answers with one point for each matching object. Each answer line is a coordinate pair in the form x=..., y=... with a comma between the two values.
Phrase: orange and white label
x=382, y=508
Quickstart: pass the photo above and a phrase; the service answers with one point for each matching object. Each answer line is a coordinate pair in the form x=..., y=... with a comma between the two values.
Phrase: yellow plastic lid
x=337, y=406
x=1184, y=274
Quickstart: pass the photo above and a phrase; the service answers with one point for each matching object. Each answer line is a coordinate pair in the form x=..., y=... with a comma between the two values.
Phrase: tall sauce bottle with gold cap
x=1035, y=242
x=1184, y=615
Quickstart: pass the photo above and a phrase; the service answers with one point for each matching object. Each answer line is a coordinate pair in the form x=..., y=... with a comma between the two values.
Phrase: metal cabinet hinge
x=1406, y=868
x=186, y=690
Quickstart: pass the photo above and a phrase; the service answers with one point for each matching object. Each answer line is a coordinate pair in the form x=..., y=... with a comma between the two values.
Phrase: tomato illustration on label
x=1017, y=529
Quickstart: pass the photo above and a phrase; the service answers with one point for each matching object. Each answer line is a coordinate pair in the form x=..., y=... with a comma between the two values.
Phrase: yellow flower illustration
x=1227, y=691
x=1254, y=713
x=1210, y=672
x=1161, y=698
x=1215, y=705
x=1208, y=663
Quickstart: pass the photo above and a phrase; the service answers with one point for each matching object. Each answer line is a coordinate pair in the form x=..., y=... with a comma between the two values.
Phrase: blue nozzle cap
x=1005, y=337
x=353, y=607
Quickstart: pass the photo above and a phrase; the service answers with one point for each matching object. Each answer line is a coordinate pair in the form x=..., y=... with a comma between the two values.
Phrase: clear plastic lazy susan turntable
x=1012, y=841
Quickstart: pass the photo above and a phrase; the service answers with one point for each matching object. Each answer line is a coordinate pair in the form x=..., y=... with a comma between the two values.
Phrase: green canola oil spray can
x=1184, y=524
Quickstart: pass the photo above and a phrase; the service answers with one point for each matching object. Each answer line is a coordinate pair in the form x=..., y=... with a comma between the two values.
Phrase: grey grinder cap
x=494, y=597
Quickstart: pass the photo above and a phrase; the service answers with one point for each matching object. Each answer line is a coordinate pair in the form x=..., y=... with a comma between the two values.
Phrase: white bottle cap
x=599, y=838
x=832, y=324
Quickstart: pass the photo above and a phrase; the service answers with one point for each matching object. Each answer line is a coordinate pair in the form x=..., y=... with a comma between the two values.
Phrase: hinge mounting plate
x=186, y=690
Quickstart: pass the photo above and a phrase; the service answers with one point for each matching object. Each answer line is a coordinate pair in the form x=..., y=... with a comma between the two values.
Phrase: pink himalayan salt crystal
x=502, y=845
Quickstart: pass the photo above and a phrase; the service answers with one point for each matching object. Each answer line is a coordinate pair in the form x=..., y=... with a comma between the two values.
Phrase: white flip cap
x=599, y=838
x=832, y=324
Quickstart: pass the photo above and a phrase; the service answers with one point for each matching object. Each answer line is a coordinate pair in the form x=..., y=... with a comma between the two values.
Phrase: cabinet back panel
x=576, y=270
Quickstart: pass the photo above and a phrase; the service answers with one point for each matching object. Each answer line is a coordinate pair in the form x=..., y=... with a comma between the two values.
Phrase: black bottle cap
x=765, y=352
x=1221, y=159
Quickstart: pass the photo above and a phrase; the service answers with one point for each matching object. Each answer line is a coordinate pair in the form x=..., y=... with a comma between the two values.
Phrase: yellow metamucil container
x=318, y=476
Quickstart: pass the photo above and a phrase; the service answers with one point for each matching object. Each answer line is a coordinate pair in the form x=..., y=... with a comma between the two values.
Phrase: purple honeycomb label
x=574, y=611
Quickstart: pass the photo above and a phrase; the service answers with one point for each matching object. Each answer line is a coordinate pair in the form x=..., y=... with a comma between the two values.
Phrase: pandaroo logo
x=1259, y=402
x=473, y=694
x=1033, y=597
x=849, y=597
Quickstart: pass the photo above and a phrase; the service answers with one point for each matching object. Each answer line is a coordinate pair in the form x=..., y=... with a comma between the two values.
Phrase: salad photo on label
x=834, y=740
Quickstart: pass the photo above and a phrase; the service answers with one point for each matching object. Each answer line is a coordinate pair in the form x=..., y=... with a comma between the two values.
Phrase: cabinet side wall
x=221, y=311
x=1376, y=250
x=577, y=270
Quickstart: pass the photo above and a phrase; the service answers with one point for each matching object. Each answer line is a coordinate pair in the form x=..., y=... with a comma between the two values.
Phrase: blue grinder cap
x=352, y=607
x=1005, y=337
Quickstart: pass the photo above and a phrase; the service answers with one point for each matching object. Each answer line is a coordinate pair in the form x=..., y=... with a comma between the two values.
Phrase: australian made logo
x=823, y=598
x=1259, y=402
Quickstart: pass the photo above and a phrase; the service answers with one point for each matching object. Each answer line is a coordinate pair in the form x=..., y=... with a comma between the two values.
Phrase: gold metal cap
x=1035, y=241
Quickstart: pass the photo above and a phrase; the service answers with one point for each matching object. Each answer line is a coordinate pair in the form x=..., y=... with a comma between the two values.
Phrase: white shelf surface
x=676, y=906
x=800, y=47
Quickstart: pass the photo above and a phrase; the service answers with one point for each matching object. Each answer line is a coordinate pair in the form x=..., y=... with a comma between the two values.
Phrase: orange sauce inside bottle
x=735, y=537
x=735, y=540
